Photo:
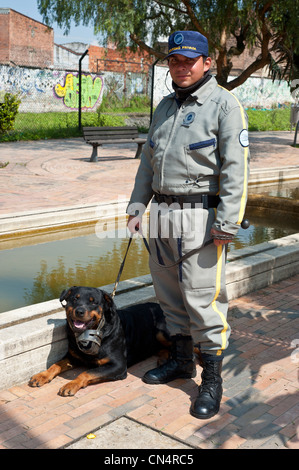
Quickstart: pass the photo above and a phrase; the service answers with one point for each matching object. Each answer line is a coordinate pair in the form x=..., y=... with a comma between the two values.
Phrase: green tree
x=231, y=26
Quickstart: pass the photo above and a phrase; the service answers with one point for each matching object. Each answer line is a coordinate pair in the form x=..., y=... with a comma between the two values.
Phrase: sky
x=29, y=8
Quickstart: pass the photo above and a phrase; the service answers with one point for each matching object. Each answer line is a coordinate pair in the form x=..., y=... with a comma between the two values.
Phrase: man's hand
x=134, y=224
x=221, y=238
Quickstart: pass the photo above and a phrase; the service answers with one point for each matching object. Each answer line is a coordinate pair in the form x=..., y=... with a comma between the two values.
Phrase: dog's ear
x=65, y=295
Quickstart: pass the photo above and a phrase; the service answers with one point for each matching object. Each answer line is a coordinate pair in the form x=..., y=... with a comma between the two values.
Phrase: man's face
x=185, y=71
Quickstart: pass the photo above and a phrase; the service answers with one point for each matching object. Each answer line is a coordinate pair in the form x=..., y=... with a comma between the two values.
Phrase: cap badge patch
x=178, y=39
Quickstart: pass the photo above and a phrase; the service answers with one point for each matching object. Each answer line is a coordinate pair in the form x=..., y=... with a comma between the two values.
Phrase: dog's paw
x=38, y=380
x=70, y=389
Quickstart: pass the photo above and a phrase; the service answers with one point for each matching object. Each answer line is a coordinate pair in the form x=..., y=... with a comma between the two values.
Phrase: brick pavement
x=56, y=173
x=260, y=407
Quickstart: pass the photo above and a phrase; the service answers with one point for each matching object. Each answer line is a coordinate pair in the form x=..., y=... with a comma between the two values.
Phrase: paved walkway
x=56, y=173
x=260, y=407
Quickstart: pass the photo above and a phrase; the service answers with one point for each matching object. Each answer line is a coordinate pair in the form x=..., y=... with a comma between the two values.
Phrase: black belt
x=207, y=200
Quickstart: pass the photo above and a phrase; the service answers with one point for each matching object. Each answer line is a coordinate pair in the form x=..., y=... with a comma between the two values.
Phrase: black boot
x=180, y=365
x=207, y=403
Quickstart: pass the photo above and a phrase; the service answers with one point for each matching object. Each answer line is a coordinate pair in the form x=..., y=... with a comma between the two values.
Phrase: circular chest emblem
x=178, y=39
x=189, y=118
x=243, y=138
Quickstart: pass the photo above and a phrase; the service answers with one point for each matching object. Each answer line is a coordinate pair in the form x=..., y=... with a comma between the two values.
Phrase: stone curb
x=19, y=224
x=31, y=338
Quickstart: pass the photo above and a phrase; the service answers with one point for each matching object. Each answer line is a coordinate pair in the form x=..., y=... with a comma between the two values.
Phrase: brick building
x=27, y=42
x=109, y=59
x=32, y=64
x=24, y=41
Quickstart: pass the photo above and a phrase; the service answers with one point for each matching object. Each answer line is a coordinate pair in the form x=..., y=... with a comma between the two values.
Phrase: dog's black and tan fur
x=127, y=337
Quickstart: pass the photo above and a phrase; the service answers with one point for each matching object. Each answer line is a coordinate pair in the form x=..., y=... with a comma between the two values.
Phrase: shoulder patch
x=243, y=138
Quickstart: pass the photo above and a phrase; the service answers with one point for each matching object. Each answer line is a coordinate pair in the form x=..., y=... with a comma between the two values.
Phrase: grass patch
x=36, y=126
x=136, y=104
x=269, y=120
x=57, y=125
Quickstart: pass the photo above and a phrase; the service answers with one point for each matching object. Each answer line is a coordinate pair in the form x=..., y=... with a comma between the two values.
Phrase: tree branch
x=258, y=64
x=178, y=10
x=145, y=47
x=196, y=23
x=261, y=61
x=266, y=8
x=166, y=16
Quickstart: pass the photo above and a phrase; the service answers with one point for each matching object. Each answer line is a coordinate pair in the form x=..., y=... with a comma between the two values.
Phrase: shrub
x=140, y=102
x=136, y=103
x=9, y=107
x=269, y=120
x=110, y=121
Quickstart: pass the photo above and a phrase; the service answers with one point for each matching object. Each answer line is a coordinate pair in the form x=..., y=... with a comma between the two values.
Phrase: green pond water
x=40, y=269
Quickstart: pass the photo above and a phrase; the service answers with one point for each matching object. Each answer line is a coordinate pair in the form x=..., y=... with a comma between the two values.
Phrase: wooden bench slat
x=110, y=131
x=111, y=136
x=119, y=141
x=109, y=128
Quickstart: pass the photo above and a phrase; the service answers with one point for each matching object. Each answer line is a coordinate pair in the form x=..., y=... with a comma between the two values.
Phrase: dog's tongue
x=79, y=324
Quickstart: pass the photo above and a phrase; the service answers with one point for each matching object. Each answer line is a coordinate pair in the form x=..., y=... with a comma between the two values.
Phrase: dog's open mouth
x=80, y=325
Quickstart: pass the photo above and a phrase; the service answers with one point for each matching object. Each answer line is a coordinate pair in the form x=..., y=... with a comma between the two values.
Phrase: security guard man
x=195, y=167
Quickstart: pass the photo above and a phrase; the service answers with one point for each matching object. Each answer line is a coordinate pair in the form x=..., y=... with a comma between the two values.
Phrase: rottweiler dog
x=104, y=339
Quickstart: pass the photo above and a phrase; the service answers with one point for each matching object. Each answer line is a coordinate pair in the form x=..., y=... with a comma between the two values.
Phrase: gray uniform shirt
x=198, y=148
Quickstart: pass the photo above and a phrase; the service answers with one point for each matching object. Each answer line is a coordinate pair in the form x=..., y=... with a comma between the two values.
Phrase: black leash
x=167, y=266
x=182, y=258
x=245, y=224
x=121, y=268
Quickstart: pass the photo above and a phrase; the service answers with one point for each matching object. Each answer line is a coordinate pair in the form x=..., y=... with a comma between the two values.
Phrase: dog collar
x=90, y=341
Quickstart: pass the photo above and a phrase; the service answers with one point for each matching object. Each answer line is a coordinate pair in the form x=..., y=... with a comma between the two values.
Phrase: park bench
x=97, y=136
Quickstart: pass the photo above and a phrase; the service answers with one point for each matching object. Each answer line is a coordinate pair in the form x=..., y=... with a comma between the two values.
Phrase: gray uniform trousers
x=192, y=294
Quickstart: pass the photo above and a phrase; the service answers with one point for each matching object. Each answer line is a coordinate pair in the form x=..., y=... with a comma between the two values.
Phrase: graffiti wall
x=44, y=90
x=69, y=91
x=261, y=92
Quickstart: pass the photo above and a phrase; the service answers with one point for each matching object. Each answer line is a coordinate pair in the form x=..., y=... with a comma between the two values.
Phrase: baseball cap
x=188, y=43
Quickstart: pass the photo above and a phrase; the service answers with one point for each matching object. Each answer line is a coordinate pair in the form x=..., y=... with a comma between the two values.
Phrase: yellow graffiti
x=69, y=92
